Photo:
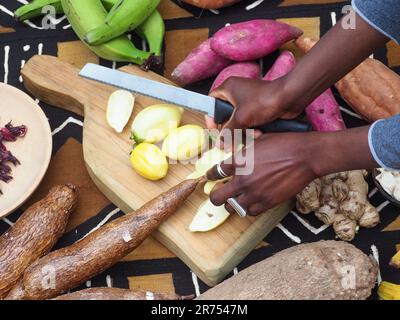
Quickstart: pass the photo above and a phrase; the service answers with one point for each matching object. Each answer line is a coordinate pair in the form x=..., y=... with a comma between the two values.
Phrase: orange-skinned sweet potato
x=371, y=89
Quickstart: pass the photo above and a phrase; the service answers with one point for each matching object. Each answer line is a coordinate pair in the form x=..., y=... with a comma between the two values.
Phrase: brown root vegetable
x=211, y=4
x=371, y=89
x=345, y=228
x=324, y=270
x=326, y=214
x=68, y=267
x=118, y=294
x=354, y=205
x=340, y=190
x=34, y=234
x=308, y=199
x=370, y=218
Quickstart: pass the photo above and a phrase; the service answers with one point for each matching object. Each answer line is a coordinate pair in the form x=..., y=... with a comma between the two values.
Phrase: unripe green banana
x=125, y=15
x=34, y=9
x=153, y=30
x=89, y=14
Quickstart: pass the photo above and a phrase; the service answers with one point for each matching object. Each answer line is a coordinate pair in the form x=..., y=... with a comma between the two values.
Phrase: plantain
x=87, y=15
x=153, y=30
x=125, y=15
x=35, y=8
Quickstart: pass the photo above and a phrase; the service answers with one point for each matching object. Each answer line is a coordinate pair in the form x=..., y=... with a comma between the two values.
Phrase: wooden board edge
x=243, y=246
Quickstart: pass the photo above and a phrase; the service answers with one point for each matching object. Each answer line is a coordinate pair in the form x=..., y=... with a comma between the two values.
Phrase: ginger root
x=340, y=200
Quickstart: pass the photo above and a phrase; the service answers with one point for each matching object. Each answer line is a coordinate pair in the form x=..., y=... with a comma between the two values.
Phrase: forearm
x=346, y=150
x=336, y=54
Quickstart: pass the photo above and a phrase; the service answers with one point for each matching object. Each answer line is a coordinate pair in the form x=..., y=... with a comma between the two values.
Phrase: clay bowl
x=33, y=150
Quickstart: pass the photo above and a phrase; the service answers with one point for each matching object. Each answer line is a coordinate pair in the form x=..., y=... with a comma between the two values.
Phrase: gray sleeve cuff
x=381, y=15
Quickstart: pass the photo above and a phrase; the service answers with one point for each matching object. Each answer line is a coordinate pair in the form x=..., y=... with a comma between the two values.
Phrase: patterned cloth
x=153, y=267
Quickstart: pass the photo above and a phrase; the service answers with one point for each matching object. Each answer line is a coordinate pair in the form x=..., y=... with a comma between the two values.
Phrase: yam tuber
x=324, y=270
x=371, y=89
x=34, y=234
x=118, y=294
x=68, y=267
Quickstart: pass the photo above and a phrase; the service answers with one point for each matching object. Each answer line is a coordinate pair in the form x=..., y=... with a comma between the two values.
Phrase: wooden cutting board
x=210, y=255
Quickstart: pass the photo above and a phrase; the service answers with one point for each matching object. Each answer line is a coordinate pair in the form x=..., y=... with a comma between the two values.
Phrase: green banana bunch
x=152, y=29
x=34, y=9
x=125, y=15
x=88, y=14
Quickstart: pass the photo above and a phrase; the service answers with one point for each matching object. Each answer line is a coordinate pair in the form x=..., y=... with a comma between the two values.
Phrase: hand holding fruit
x=283, y=166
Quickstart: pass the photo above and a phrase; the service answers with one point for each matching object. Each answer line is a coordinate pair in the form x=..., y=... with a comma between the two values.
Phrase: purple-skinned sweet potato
x=324, y=112
x=250, y=70
x=282, y=66
x=200, y=64
x=253, y=39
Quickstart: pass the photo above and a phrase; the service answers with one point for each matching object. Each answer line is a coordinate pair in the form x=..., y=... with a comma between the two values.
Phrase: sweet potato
x=200, y=64
x=324, y=270
x=34, y=234
x=211, y=4
x=252, y=39
x=68, y=267
x=282, y=66
x=324, y=112
x=117, y=294
x=250, y=70
x=371, y=89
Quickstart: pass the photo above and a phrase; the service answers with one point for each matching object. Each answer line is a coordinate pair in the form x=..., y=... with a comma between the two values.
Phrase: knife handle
x=224, y=110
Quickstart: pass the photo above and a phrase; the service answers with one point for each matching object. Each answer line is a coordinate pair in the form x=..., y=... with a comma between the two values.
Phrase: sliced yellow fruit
x=148, y=161
x=208, y=217
x=185, y=142
x=119, y=109
x=154, y=123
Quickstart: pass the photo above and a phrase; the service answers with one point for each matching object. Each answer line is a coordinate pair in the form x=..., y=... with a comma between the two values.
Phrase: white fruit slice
x=208, y=186
x=208, y=217
x=119, y=109
x=210, y=158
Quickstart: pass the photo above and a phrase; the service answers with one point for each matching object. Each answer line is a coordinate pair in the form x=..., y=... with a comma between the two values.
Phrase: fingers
x=210, y=123
x=229, y=190
x=227, y=167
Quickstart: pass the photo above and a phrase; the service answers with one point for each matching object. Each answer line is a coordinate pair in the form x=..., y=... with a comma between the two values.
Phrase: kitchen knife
x=220, y=110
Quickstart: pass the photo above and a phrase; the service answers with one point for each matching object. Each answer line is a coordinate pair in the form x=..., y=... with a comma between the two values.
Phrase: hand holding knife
x=220, y=110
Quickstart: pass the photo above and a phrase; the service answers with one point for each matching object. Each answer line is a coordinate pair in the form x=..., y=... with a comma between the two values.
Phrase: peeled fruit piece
x=119, y=109
x=209, y=186
x=148, y=161
x=210, y=159
x=185, y=142
x=154, y=123
x=208, y=217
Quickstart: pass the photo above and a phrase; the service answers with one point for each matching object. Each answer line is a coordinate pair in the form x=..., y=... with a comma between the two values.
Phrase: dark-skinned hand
x=282, y=168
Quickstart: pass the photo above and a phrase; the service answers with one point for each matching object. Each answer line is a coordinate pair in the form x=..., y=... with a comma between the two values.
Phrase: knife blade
x=220, y=110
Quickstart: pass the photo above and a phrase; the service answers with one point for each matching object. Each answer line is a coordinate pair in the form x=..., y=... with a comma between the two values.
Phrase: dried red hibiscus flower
x=10, y=134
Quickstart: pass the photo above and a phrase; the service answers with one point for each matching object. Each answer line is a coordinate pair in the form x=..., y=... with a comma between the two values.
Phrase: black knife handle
x=224, y=110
